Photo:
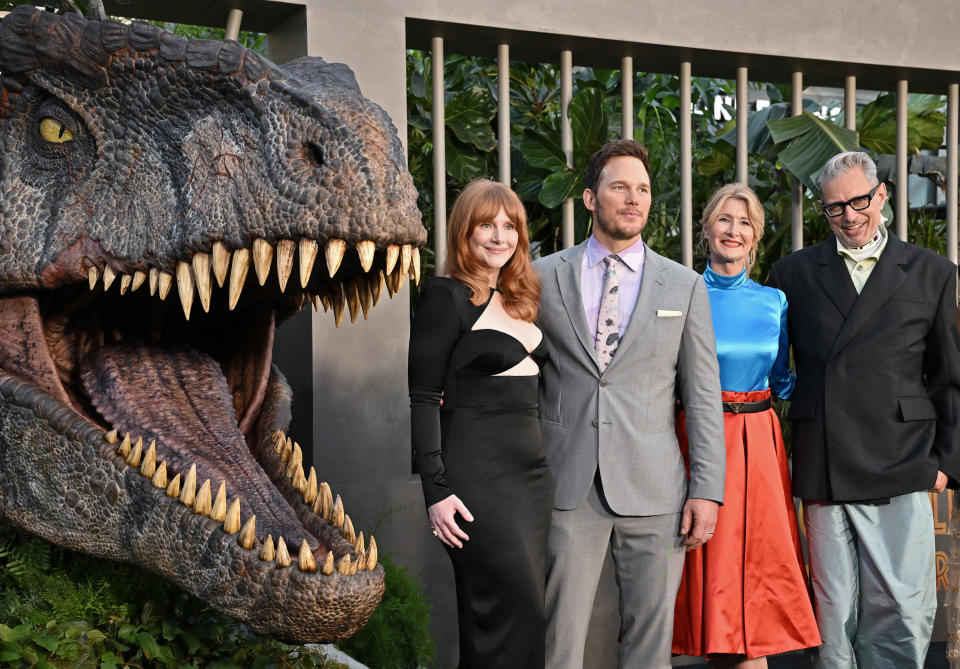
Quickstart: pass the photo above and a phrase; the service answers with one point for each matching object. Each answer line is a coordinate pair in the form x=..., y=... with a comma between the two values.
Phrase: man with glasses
x=873, y=325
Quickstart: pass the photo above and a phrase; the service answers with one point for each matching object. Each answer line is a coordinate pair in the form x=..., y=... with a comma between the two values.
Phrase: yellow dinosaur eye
x=54, y=131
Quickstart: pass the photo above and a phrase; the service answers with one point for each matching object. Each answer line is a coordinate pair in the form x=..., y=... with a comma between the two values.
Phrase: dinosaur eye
x=52, y=130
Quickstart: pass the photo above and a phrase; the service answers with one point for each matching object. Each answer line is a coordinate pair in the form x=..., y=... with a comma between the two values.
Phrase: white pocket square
x=666, y=313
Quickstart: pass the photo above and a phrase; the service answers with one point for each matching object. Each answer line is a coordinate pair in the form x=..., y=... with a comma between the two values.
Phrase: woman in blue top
x=744, y=595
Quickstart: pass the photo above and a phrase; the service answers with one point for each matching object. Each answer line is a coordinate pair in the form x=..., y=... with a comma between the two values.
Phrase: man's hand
x=444, y=523
x=941, y=483
x=698, y=521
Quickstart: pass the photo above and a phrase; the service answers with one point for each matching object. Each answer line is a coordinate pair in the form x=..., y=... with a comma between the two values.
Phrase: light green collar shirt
x=860, y=269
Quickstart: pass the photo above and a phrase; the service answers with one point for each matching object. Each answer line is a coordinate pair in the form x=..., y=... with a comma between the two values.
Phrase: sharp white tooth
x=201, y=505
x=360, y=546
x=283, y=557
x=347, y=530
x=262, y=259
x=365, y=250
x=231, y=524
x=160, y=476
x=353, y=299
x=393, y=252
x=406, y=255
x=326, y=301
x=327, y=567
x=267, y=552
x=201, y=272
x=154, y=280
x=315, y=299
x=366, y=300
x=92, y=275
x=138, y=278
x=185, y=287
x=296, y=460
x=219, y=510
x=149, y=466
x=248, y=533
x=372, y=555
x=166, y=280
x=344, y=565
x=305, y=559
x=108, y=276
x=221, y=262
x=308, y=254
x=238, y=274
x=376, y=285
x=173, y=490
x=111, y=437
x=125, y=281
x=285, y=249
x=189, y=493
x=133, y=459
x=334, y=253
x=123, y=450
x=311, y=492
x=416, y=265
x=339, y=302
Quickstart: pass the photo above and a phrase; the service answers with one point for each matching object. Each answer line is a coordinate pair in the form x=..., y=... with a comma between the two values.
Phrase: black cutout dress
x=483, y=445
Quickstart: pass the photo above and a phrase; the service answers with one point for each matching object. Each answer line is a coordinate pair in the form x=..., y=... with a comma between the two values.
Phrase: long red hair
x=479, y=202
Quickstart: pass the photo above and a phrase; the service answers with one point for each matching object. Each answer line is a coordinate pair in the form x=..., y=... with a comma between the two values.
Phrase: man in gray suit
x=629, y=332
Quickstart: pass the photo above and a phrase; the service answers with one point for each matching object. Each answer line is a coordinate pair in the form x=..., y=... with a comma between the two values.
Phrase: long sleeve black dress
x=483, y=444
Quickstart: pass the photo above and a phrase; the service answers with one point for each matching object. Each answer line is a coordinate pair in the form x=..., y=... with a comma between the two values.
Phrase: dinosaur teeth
x=149, y=466
x=185, y=287
x=310, y=493
x=111, y=437
x=134, y=458
x=262, y=259
x=92, y=275
x=138, y=278
x=339, y=302
x=308, y=254
x=279, y=439
x=283, y=557
x=108, y=276
x=406, y=255
x=287, y=451
x=202, y=505
x=359, y=547
x=166, y=280
x=337, y=513
x=123, y=450
x=267, y=553
x=393, y=252
x=334, y=254
x=376, y=285
x=285, y=249
x=366, y=299
x=347, y=531
x=327, y=567
x=299, y=481
x=372, y=555
x=201, y=272
x=173, y=490
x=353, y=299
x=307, y=563
x=248, y=533
x=238, y=274
x=416, y=265
x=219, y=510
x=326, y=501
x=365, y=251
x=315, y=299
x=296, y=460
x=221, y=262
x=189, y=493
x=344, y=566
x=154, y=280
x=125, y=281
x=231, y=522
x=159, y=479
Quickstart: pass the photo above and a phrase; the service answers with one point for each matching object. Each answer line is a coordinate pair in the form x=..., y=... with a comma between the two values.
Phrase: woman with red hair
x=475, y=358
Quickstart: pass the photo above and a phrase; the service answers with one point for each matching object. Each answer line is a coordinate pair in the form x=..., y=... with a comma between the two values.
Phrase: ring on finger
x=434, y=530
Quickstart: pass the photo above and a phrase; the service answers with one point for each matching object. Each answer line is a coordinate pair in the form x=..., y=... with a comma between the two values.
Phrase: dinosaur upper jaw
x=203, y=407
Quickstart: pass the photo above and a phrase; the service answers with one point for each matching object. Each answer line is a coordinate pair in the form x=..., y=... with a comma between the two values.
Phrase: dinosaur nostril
x=316, y=153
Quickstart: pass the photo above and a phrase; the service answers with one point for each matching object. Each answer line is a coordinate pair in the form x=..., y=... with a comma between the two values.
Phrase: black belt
x=747, y=407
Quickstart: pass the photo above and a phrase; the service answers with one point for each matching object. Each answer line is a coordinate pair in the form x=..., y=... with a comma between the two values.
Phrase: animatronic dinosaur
x=137, y=165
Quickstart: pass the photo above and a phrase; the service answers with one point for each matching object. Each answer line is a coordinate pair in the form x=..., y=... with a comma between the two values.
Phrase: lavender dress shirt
x=629, y=276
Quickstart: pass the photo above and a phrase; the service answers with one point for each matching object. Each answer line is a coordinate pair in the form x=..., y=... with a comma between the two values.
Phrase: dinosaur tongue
x=181, y=398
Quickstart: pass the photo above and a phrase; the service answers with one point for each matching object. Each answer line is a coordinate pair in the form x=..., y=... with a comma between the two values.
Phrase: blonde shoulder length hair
x=754, y=211
x=480, y=202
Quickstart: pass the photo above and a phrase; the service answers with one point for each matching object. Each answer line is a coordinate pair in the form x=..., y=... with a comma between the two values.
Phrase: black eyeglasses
x=859, y=203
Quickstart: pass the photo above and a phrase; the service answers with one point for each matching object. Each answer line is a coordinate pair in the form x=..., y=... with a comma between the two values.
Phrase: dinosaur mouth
x=177, y=373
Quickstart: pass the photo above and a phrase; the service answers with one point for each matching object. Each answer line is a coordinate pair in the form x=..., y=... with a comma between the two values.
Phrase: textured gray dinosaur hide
x=141, y=419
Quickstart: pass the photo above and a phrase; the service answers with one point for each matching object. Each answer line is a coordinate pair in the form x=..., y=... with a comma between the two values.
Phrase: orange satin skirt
x=745, y=591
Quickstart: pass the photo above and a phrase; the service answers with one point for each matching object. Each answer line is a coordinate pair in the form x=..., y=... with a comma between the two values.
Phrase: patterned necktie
x=608, y=320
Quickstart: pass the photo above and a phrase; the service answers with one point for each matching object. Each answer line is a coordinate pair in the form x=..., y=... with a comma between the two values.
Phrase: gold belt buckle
x=736, y=407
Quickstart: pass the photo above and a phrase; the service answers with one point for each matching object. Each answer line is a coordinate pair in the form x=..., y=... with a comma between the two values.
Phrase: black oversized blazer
x=877, y=401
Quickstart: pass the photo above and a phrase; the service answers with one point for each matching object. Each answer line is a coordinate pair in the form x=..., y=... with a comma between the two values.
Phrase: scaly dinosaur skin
x=137, y=165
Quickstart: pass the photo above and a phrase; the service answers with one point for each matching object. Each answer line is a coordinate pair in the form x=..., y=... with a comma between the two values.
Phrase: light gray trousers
x=648, y=555
x=874, y=582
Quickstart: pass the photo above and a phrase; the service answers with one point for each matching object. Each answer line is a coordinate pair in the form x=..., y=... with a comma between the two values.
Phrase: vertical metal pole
x=686, y=168
x=566, y=138
x=850, y=103
x=439, y=156
x=796, y=187
x=503, y=111
x=626, y=86
x=903, y=191
x=743, y=150
x=953, y=97
x=232, y=30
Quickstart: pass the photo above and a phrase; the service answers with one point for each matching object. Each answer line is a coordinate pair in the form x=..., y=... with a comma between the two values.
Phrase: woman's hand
x=443, y=520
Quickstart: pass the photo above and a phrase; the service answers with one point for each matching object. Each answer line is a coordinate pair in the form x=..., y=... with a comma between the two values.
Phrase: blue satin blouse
x=750, y=324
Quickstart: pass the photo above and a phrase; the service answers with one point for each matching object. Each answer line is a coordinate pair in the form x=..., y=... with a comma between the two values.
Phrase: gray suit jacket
x=622, y=421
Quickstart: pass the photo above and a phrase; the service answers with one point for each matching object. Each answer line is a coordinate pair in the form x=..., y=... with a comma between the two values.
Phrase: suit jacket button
x=603, y=383
x=596, y=423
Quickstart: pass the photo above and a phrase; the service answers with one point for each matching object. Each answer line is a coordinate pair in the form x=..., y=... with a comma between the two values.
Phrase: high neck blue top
x=750, y=324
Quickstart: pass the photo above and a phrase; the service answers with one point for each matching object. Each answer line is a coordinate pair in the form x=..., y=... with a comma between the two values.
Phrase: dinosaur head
x=164, y=203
